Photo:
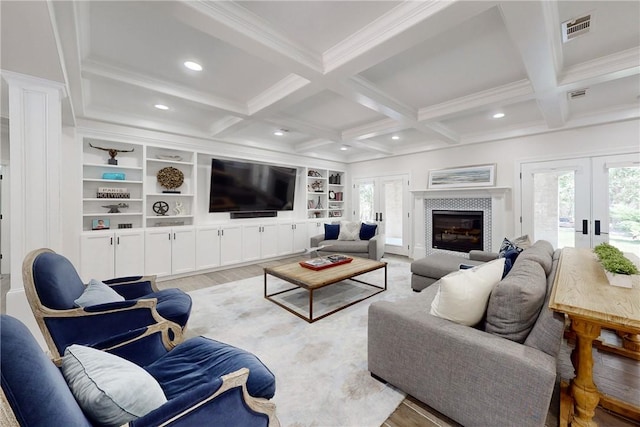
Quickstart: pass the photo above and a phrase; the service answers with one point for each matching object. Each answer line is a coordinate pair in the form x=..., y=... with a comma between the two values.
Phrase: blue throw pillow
x=367, y=231
x=331, y=231
x=509, y=256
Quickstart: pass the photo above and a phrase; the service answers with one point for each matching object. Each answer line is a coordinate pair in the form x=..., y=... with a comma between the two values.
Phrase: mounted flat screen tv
x=250, y=187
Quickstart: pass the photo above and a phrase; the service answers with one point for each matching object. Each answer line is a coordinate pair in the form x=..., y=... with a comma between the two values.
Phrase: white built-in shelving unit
x=325, y=193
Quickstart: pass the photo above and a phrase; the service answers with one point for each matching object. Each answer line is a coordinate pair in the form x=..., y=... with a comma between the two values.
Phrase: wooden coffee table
x=312, y=280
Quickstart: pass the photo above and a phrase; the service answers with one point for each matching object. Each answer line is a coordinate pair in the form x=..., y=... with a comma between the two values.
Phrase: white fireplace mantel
x=481, y=192
x=498, y=196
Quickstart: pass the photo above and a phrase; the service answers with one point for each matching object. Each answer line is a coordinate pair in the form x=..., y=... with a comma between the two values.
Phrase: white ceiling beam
x=601, y=70
x=304, y=127
x=406, y=25
x=312, y=145
x=370, y=146
x=502, y=95
x=531, y=30
x=93, y=68
x=373, y=129
x=228, y=126
x=282, y=89
x=232, y=23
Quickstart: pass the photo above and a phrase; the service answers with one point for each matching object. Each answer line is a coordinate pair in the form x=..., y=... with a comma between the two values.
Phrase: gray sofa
x=426, y=271
x=475, y=377
x=372, y=249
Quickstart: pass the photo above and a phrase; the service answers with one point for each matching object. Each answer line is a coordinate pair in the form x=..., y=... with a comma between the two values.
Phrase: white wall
x=507, y=155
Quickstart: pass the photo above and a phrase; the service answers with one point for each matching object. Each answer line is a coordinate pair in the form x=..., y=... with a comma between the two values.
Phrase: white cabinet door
x=129, y=253
x=157, y=256
x=269, y=241
x=251, y=242
x=96, y=258
x=285, y=239
x=183, y=250
x=230, y=245
x=207, y=247
x=300, y=237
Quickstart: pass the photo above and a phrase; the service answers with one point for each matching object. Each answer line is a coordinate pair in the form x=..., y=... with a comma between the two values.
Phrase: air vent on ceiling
x=580, y=93
x=575, y=27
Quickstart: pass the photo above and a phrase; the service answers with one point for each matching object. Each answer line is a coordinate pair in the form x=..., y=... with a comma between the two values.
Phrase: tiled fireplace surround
x=492, y=201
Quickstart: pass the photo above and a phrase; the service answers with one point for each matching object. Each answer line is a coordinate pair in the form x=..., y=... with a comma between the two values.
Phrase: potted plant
x=618, y=268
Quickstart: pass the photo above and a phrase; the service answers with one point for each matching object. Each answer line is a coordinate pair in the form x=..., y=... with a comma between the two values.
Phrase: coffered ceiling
x=341, y=78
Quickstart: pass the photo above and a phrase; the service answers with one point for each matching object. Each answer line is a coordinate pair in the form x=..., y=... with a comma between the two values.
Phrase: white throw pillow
x=463, y=295
x=349, y=230
x=110, y=389
x=96, y=293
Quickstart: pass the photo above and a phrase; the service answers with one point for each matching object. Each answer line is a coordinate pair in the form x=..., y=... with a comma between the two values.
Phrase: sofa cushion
x=540, y=252
x=349, y=230
x=550, y=324
x=439, y=264
x=96, y=293
x=516, y=301
x=110, y=389
x=331, y=231
x=173, y=304
x=199, y=360
x=462, y=296
x=350, y=246
x=367, y=231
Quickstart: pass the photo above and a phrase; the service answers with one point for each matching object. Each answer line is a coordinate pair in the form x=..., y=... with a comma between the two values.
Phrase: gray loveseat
x=475, y=377
x=372, y=248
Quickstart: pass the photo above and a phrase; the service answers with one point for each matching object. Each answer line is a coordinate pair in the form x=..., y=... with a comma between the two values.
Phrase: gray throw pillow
x=96, y=293
x=111, y=390
x=515, y=302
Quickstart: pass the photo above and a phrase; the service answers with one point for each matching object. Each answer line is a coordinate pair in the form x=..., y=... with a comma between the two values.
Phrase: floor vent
x=580, y=93
x=575, y=28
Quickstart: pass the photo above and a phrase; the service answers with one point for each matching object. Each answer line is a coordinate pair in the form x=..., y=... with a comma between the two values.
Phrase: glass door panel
x=384, y=201
x=555, y=198
x=616, y=181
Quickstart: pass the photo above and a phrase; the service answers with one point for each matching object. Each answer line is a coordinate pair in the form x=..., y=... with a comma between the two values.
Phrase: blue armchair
x=205, y=382
x=52, y=285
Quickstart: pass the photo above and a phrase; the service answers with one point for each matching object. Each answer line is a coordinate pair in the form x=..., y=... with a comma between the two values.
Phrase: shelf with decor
x=325, y=193
x=112, y=185
x=170, y=187
x=335, y=203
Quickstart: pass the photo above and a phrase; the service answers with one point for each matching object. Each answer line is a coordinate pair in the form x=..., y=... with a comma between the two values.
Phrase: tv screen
x=245, y=187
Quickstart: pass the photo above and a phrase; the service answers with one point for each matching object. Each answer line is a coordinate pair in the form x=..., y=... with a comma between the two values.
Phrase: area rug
x=320, y=368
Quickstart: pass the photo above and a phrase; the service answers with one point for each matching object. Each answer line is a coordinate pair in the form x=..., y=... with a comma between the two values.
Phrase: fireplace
x=459, y=231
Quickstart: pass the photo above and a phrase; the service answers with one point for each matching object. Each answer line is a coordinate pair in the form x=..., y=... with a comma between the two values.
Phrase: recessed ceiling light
x=280, y=132
x=498, y=115
x=161, y=107
x=343, y=148
x=193, y=66
x=395, y=137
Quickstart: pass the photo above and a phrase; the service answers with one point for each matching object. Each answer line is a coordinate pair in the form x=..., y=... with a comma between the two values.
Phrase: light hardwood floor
x=615, y=375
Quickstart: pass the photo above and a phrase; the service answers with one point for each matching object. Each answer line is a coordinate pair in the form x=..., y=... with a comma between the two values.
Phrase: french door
x=385, y=201
x=583, y=202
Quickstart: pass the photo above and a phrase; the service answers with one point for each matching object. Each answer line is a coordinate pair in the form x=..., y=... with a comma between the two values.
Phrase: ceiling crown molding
x=251, y=25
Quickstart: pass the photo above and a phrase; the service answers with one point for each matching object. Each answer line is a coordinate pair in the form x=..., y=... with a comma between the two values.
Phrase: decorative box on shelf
x=112, y=193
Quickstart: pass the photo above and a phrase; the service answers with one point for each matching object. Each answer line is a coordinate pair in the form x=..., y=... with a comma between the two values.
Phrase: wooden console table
x=582, y=291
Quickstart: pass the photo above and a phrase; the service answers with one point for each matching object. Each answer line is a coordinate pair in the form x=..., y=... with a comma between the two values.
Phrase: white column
x=35, y=126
